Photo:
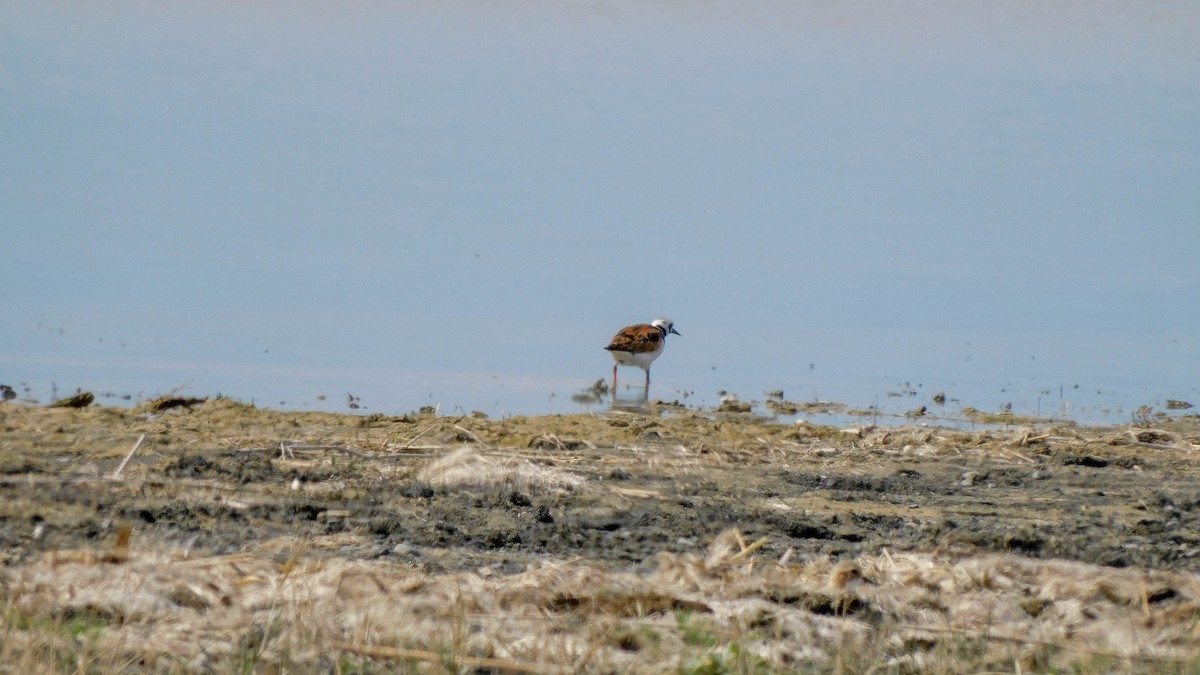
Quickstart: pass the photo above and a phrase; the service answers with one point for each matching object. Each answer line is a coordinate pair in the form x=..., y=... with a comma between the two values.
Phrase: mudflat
x=214, y=534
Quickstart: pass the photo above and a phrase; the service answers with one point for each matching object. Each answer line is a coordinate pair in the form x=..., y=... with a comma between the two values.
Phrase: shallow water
x=457, y=207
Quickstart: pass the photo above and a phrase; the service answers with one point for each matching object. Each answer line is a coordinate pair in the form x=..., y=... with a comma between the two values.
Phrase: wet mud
x=448, y=494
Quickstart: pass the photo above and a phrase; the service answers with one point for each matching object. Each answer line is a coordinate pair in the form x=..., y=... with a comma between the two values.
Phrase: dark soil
x=212, y=478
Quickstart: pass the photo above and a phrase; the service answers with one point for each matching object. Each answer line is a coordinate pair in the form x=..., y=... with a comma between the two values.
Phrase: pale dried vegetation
x=467, y=466
x=280, y=607
x=730, y=611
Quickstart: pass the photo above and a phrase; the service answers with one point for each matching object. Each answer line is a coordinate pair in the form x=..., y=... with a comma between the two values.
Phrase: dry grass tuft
x=729, y=610
x=469, y=467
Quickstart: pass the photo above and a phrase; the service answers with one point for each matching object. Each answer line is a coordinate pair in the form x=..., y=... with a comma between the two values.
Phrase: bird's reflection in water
x=635, y=403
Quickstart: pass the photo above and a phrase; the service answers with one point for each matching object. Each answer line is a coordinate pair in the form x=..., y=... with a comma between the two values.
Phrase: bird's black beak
x=676, y=332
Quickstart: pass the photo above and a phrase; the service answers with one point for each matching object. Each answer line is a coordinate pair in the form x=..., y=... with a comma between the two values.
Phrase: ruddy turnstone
x=845, y=576
x=639, y=345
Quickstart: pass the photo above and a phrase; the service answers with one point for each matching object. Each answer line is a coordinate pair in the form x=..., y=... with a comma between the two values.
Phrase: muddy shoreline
x=620, y=492
x=214, y=478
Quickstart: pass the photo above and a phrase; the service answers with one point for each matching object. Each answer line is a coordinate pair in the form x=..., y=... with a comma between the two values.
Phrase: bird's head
x=666, y=324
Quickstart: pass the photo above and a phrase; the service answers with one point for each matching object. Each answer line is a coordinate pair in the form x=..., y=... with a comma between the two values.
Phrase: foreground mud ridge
x=217, y=535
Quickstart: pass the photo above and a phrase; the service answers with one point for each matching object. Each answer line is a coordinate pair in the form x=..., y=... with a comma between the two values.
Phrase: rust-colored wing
x=637, y=339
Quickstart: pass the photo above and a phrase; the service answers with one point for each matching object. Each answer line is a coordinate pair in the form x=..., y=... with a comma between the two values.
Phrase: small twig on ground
x=419, y=434
x=149, y=483
x=787, y=556
x=1030, y=642
x=1155, y=446
x=121, y=467
x=289, y=447
x=395, y=653
x=1017, y=455
x=749, y=549
x=474, y=436
x=339, y=448
x=1145, y=598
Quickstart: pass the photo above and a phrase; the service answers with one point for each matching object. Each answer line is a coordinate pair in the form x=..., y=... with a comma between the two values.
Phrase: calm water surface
x=294, y=203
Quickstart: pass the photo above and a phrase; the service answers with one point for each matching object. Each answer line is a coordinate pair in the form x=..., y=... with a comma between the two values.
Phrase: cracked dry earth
x=619, y=493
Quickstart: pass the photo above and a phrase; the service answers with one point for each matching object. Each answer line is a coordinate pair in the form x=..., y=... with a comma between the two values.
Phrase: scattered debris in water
x=781, y=407
x=593, y=394
x=1143, y=416
x=80, y=400
x=167, y=402
x=731, y=404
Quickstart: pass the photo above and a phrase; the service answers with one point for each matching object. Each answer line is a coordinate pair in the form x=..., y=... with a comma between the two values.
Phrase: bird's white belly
x=642, y=360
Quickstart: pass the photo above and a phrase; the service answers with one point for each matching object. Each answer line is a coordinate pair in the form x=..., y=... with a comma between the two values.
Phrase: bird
x=639, y=345
x=845, y=576
x=844, y=580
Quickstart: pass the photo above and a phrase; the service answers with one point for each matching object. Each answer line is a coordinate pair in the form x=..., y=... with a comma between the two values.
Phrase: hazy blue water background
x=458, y=204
